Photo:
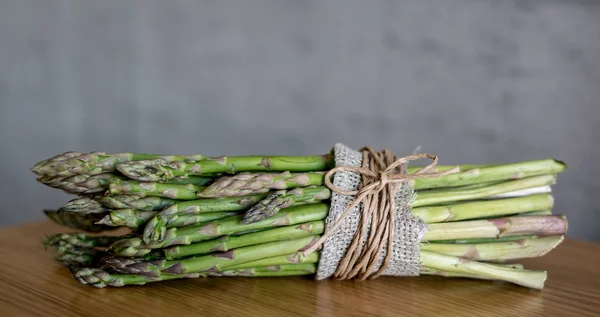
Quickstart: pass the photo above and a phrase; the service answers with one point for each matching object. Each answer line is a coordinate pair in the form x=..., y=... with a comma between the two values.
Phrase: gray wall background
x=475, y=81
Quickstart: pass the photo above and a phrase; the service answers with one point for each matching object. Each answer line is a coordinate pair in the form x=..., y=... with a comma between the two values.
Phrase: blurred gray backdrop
x=474, y=81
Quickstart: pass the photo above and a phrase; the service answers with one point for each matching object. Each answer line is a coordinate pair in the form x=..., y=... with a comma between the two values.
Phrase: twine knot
x=382, y=175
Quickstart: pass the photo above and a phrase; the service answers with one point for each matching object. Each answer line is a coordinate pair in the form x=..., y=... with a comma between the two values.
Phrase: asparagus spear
x=486, y=208
x=78, y=257
x=498, y=227
x=136, y=218
x=429, y=271
x=194, y=180
x=76, y=220
x=294, y=258
x=441, y=196
x=227, y=243
x=80, y=240
x=281, y=199
x=498, y=251
x=217, y=228
x=188, y=220
x=136, y=202
x=81, y=183
x=90, y=184
x=488, y=240
x=94, y=163
x=173, y=191
x=275, y=270
x=126, y=218
x=489, y=174
x=255, y=183
x=128, y=265
x=156, y=227
x=162, y=170
x=453, y=212
x=85, y=204
x=527, y=278
x=215, y=262
x=99, y=278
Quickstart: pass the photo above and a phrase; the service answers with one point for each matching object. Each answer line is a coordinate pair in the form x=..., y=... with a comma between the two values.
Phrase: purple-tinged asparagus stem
x=497, y=228
x=498, y=251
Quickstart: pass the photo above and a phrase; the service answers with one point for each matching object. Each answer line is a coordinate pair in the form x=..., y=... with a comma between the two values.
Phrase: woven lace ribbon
x=409, y=230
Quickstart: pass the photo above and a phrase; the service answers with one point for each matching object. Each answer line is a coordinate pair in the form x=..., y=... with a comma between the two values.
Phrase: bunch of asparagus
x=195, y=216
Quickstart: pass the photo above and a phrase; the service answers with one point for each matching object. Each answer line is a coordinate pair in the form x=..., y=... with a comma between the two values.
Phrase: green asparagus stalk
x=294, y=258
x=173, y=191
x=78, y=257
x=156, y=227
x=486, y=208
x=128, y=264
x=223, y=261
x=90, y=184
x=499, y=251
x=452, y=212
x=424, y=198
x=310, y=268
x=194, y=180
x=256, y=183
x=80, y=240
x=490, y=174
x=442, y=196
x=160, y=170
x=489, y=240
x=188, y=220
x=269, y=206
x=217, y=228
x=136, y=202
x=81, y=183
x=215, y=262
x=99, y=278
x=76, y=220
x=94, y=163
x=527, y=278
x=194, y=207
x=85, y=204
x=227, y=243
x=498, y=227
x=281, y=199
x=136, y=218
x=429, y=271
x=126, y=218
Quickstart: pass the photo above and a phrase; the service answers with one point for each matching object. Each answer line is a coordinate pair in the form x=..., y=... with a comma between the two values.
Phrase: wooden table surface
x=32, y=284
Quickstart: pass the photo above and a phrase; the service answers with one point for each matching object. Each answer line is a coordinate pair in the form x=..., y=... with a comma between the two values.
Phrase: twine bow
x=382, y=174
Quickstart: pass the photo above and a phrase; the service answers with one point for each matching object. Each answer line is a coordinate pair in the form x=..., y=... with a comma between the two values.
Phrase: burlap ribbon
x=380, y=210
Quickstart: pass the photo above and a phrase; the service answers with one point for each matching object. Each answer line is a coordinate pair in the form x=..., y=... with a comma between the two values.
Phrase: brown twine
x=382, y=174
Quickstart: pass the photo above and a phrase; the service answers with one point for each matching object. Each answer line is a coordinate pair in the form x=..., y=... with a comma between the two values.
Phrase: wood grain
x=32, y=284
